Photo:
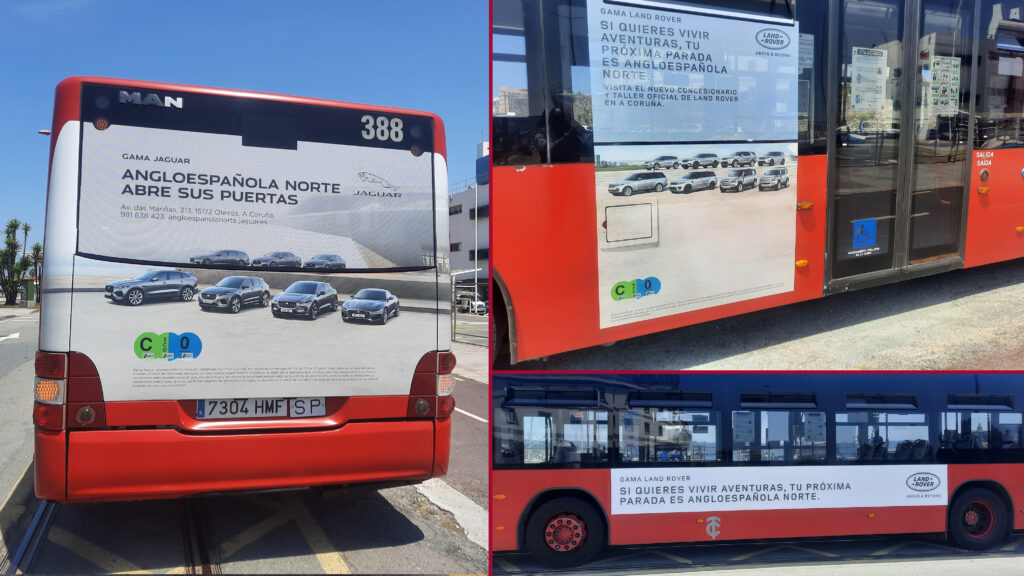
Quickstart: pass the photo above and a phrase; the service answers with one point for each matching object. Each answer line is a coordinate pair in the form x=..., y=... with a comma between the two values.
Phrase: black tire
x=135, y=297
x=265, y=299
x=235, y=305
x=207, y=262
x=334, y=305
x=186, y=294
x=771, y=161
x=687, y=189
x=656, y=167
x=713, y=185
x=978, y=519
x=627, y=191
x=659, y=187
x=272, y=264
x=314, y=310
x=396, y=309
x=563, y=515
x=782, y=162
x=714, y=164
x=276, y=315
x=675, y=165
x=384, y=317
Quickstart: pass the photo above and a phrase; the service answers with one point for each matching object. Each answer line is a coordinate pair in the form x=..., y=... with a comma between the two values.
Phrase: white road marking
x=473, y=416
x=15, y=335
x=470, y=515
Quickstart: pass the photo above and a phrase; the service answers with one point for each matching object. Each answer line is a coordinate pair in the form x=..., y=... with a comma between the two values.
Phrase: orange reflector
x=982, y=189
x=445, y=384
x=700, y=520
x=500, y=496
x=499, y=528
x=48, y=390
x=871, y=515
x=1020, y=228
x=802, y=263
x=804, y=205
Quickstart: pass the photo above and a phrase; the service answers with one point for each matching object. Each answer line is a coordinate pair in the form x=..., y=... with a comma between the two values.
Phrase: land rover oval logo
x=923, y=482
x=772, y=38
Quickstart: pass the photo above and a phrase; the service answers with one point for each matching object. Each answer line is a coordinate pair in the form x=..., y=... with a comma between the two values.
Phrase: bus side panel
x=545, y=236
x=754, y=524
x=163, y=463
x=442, y=446
x=1009, y=476
x=995, y=218
x=49, y=465
x=59, y=239
x=514, y=490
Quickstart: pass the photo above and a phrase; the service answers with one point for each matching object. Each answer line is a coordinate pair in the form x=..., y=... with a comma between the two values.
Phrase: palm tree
x=25, y=227
x=37, y=261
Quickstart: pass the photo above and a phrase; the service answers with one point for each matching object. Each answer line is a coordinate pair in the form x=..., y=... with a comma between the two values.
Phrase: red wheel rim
x=565, y=532
x=979, y=519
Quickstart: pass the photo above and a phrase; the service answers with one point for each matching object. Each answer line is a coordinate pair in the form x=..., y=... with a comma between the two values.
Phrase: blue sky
x=422, y=55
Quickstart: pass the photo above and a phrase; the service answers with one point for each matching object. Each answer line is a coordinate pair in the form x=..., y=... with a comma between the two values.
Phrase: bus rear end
x=241, y=292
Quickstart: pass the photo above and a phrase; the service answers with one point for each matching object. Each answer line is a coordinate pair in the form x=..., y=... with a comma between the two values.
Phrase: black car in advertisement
x=304, y=298
x=153, y=284
x=223, y=257
x=233, y=292
x=326, y=262
x=370, y=304
x=277, y=260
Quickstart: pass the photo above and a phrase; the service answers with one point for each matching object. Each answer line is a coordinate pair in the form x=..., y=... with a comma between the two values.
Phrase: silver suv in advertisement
x=772, y=158
x=739, y=180
x=662, y=162
x=741, y=158
x=222, y=257
x=775, y=178
x=233, y=292
x=701, y=161
x=153, y=284
x=639, y=182
x=692, y=181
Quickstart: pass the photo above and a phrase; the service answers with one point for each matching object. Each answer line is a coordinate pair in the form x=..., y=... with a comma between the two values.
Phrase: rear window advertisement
x=180, y=333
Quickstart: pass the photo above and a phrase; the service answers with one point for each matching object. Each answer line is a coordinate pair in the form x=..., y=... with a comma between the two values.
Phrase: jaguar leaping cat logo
x=374, y=179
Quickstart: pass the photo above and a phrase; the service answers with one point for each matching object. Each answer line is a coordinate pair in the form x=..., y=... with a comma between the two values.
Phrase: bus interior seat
x=921, y=450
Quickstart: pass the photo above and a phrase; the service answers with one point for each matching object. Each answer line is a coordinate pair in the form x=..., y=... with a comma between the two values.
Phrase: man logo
x=713, y=522
x=150, y=100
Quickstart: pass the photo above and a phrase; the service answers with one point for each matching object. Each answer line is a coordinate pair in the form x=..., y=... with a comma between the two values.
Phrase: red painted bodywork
x=542, y=246
x=994, y=216
x=513, y=490
x=161, y=451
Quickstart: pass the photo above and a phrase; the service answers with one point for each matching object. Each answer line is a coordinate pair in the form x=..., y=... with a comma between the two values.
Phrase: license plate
x=287, y=309
x=358, y=315
x=260, y=408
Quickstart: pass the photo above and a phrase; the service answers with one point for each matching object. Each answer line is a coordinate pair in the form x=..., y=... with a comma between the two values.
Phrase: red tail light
x=445, y=362
x=445, y=407
x=50, y=365
x=48, y=417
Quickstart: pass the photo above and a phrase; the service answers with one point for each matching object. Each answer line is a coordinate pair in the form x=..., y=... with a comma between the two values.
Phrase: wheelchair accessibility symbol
x=864, y=233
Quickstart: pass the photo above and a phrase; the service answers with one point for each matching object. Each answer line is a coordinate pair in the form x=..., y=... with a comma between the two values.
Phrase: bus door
x=902, y=139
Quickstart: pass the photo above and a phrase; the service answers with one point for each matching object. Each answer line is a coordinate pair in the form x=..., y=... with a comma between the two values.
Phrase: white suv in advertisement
x=662, y=162
x=692, y=181
x=705, y=160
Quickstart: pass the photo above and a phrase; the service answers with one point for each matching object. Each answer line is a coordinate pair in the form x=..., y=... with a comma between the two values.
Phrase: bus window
x=882, y=437
x=778, y=437
x=667, y=436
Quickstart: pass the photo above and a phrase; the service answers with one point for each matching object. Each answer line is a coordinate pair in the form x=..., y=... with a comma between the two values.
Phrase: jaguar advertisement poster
x=255, y=273
x=695, y=127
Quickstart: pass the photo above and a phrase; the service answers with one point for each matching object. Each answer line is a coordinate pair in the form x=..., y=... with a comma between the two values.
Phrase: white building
x=469, y=230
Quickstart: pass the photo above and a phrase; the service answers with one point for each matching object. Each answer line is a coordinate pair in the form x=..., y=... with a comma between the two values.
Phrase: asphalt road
x=434, y=527
x=960, y=320
x=907, y=555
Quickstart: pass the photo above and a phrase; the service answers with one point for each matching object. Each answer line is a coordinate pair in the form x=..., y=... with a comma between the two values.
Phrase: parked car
x=775, y=178
x=305, y=298
x=772, y=158
x=662, y=162
x=372, y=304
x=639, y=182
x=233, y=292
x=277, y=259
x=152, y=284
x=694, y=181
x=741, y=158
x=705, y=160
x=739, y=180
x=326, y=262
x=223, y=257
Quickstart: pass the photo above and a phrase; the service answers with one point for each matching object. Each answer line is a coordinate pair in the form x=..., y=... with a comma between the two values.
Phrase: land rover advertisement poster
x=695, y=128
x=217, y=265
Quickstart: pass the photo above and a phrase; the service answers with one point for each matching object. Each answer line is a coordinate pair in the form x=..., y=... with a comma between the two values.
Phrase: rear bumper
x=105, y=465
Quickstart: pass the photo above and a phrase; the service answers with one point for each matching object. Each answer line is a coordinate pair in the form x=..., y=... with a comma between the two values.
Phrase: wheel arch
x=503, y=315
x=544, y=496
x=993, y=486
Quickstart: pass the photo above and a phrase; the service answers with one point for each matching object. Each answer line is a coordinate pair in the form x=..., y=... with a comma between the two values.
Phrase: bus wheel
x=565, y=532
x=978, y=519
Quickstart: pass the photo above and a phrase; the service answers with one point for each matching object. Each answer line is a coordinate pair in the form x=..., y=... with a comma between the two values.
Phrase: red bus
x=581, y=462
x=241, y=291
x=661, y=164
